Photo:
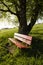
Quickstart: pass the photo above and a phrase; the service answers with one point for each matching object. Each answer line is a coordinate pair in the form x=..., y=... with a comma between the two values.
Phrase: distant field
x=15, y=56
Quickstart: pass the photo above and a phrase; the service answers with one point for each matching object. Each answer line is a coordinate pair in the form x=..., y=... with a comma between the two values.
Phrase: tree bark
x=24, y=28
x=34, y=17
x=22, y=17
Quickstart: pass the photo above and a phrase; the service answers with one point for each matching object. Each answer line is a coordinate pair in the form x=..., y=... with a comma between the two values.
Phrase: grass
x=16, y=56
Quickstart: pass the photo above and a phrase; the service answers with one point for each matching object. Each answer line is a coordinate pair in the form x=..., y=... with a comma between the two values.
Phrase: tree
x=23, y=9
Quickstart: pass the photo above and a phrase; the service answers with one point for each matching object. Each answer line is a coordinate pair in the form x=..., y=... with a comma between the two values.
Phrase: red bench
x=21, y=40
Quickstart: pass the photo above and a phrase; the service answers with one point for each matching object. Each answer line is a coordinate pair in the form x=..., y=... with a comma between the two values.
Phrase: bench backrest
x=24, y=38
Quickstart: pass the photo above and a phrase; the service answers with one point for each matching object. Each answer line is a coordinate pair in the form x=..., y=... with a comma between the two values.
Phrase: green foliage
x=30, y=5
x=31, y=56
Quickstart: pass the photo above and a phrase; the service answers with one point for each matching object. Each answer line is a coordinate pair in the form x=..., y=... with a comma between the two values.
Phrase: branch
x=3, y=10
x=5, y=5
x=8, y=9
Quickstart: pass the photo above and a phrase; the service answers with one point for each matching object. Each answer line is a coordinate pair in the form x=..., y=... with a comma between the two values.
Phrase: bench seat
x=19, y=38
x=17, y=43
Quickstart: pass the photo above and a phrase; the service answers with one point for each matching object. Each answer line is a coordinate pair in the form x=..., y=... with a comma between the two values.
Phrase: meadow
x=11, y=55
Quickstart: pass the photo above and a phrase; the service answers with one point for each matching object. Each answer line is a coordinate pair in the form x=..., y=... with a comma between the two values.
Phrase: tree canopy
x=24, y=10
x=13, y=6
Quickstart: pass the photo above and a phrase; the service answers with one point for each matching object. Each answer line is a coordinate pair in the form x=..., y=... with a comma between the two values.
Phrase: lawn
x=14, y=56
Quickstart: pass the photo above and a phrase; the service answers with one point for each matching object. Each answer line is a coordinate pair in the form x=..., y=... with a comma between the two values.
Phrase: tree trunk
x=22, y=17
x=34, y=17
x=23, y=27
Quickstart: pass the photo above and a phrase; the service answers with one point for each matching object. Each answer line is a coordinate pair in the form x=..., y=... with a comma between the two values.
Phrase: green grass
x=16, y=56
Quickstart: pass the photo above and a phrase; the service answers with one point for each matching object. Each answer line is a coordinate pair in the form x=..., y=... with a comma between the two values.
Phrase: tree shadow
x=36, y=48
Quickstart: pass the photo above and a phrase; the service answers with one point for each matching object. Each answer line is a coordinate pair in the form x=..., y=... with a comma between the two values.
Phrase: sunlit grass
x=37, y=31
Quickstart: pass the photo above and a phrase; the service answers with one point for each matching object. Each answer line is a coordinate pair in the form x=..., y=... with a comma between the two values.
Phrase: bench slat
x=17, y=43
x=23, y=36
x=23, y=40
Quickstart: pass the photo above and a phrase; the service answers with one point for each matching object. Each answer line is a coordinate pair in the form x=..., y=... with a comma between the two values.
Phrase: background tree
x=24, y=10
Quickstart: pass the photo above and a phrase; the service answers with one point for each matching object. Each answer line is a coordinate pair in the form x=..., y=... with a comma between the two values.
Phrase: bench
x=21, y=40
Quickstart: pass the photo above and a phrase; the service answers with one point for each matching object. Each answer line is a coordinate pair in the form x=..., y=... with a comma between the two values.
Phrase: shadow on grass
x=36, y=49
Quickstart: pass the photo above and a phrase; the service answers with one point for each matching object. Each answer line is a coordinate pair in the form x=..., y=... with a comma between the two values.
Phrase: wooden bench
x=21, y=40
